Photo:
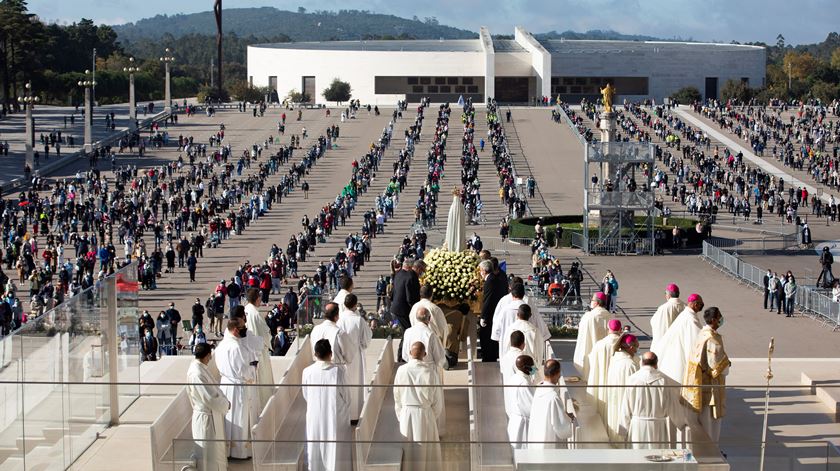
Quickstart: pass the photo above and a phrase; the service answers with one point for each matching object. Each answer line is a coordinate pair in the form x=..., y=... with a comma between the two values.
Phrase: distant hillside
x=298, y=26
x=597, y=34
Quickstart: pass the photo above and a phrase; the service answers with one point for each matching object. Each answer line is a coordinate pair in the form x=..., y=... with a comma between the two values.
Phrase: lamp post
x=167, y=59
x=88, y=83
x=132, y=105
x=28, y=100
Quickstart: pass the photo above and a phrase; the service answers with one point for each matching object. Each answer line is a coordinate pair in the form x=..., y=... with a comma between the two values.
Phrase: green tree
x=835, y=59
x=338, y=91
x=242, y=90
x=687, y=95
x=824, y=91
x=736, y=90
x=295, y=96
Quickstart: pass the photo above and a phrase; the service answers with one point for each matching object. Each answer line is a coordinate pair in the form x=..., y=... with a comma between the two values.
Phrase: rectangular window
x=472, y=89
x=412, y=80
x=452, y=80
x=575, y=90
x=417, y=88
x=432, y=88
x=580, y=80
x=425, y=80
x=568, y=81
x=460, y=89
x=440, y=80
x=467, y=80
x=445, y=89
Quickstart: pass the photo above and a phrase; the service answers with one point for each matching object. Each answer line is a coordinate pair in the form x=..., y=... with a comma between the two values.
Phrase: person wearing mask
x=519, y=395
x=550, y=425
x=209, y=406
x=197, y=313
x=148, y=346
x=197, y=337
x=237, y=366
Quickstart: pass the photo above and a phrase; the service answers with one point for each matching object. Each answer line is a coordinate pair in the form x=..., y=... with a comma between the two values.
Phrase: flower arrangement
x=453, y=275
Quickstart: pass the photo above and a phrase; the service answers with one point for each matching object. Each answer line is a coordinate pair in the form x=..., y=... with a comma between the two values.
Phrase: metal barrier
x=808, y=300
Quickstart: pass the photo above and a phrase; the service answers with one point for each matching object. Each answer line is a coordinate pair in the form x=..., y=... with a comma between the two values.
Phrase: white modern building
x=511, y=70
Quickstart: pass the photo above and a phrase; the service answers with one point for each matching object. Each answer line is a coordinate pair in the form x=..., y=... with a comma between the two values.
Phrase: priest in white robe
x=591, y=328
x=623, y=364
x=438, y=323
x=666, y=313
x=674, y=348
x=236, y=363
x=519, y=395
x=417, y=402
x=516, y=348
x=358, y=334
x=550, y=425
x=599, y=365
x=327, y=412
x=256, y=324
x=650, y=401
x=346, y=285
x=209, y=406
x=534, y=339
x=343, y=353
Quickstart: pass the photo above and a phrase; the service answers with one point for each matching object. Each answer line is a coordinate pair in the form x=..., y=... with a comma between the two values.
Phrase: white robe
x=645, y=411
x=258, y=326
x=438, y=321
x=209, y=406
x=622, y=366
x=599, y=365
x=507, y=362
x=664, y=317
x=339, y=299
x=502, y=319
x=549, y=421
x=418, y=403
x=233, y=359
x=675, y=346
x=518, y=402
x=534, y=342
x=343, y=353
x=327, y=416
x=456, y=227
x=435, y=354
x=358, y=334
x=591, y=328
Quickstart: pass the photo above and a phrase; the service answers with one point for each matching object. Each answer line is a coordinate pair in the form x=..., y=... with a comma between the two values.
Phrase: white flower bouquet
x=453, y=275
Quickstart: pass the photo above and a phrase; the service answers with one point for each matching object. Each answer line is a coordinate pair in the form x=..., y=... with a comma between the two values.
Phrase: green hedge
x=524, y=228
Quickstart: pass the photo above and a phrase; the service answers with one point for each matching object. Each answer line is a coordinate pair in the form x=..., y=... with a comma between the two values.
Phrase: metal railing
x=807, y=300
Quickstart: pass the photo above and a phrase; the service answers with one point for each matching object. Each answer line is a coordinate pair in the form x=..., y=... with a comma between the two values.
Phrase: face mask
x=148, y=335
x=720, y=322
x=533, y=371
x=242, y=332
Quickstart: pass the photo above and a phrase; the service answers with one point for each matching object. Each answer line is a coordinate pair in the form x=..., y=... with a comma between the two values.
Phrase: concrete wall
x=358, y=68
x=540, y=60
x=668, y=68
x=489, y=62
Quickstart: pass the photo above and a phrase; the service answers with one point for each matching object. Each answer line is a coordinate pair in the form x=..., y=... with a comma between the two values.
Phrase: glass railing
x=56, y=370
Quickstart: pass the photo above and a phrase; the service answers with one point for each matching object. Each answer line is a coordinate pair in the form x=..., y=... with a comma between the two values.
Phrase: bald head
x=423, y=315
x=650, y=359
x=552, y=371
x=417, y=351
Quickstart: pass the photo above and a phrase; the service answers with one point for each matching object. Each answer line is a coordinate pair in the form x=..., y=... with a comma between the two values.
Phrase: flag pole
x=768, y=376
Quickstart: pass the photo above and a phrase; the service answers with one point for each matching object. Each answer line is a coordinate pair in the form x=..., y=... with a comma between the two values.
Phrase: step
x=827, y=389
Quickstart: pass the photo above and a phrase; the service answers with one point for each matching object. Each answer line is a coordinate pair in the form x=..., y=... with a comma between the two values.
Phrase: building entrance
x=512, y=89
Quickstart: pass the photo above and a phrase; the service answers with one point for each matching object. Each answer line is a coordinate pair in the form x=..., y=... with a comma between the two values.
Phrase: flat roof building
x=510, y=70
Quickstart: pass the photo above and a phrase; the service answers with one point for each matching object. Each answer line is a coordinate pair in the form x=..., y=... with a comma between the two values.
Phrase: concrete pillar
x=167, y=103
x=132, y=104
x=30, y=137
x=88, y=122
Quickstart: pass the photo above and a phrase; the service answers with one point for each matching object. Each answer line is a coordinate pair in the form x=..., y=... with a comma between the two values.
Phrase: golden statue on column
x=607, y=94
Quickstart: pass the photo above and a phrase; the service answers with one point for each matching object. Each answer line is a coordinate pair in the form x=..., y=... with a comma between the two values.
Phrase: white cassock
x=591, y=328
x=534, y=341
x=327, y=416
x=343, y=354
x=507, y=362
x=645, y=411
x=664, y=317
x=418, y=403
x=622, y=366
x=502, y=319
x=435, y=354
x=358, y=334
x=233, y=358
x=209, y=406
x=599, y=365
x=675, y=346
x=518, y=402
x=257, y=325
x=437, y=322
x=549, y=421
x=339, y=299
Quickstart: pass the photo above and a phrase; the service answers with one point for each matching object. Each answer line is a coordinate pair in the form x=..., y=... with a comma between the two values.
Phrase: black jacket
x=406, y=292
x=495, y=288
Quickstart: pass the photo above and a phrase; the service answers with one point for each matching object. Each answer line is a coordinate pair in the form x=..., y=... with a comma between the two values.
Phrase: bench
x=377, y=420
x=175, y=423
x=826, y=390
x=280, y=432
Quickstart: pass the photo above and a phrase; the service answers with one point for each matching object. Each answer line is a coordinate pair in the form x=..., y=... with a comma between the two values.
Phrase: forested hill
x=299, y=26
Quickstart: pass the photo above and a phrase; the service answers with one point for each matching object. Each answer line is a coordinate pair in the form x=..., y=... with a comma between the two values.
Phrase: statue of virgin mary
x=456, y=227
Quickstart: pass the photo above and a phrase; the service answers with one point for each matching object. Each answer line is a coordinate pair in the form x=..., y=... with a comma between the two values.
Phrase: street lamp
x=132, y=106
x=28, y=100
x=167, y=59
x=88, y=83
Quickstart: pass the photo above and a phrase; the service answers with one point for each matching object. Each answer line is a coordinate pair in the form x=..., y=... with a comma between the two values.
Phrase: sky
x=801, y=21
